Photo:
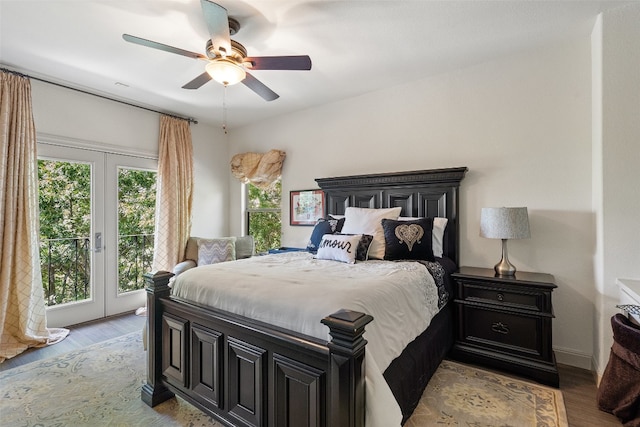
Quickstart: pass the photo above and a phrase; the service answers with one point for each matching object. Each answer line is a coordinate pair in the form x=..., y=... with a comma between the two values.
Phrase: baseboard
x=574, y=358
x=579, y=360
x=597, y=372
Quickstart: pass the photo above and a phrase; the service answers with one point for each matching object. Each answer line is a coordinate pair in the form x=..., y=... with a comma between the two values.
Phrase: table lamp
x=504, y=223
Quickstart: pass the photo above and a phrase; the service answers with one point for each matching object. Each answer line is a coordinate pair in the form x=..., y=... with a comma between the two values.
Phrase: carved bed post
x=153, y=391
x=346, y=372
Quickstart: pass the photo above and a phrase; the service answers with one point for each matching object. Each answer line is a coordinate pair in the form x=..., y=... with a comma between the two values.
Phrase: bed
x=246, y=369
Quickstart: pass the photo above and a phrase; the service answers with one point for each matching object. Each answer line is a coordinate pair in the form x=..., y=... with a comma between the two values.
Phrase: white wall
x=211, y=182
x=617, y=154
x=84, y=119
x=77, y=116
x=521, y=124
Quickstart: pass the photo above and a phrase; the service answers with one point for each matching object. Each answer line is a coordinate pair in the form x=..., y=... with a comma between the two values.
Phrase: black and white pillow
x=328, y=225
x=362, y=253
x=339, y=247
x=439, y=227
x=408, y=239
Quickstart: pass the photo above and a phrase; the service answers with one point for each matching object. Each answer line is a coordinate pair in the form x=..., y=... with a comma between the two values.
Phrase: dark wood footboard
x=248, y=373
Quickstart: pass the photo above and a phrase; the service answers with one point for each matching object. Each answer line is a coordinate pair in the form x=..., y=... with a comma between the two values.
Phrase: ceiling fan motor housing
x=238, y=52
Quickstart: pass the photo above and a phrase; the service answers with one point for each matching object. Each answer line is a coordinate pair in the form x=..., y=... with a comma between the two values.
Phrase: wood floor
x=80, y=336
x=577, y=385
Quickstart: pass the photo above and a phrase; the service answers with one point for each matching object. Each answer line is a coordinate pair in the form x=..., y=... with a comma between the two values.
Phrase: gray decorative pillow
x=212, y=251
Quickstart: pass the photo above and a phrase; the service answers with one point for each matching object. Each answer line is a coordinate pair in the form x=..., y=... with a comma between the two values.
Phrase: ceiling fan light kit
x=226, y=72
x=227, y=60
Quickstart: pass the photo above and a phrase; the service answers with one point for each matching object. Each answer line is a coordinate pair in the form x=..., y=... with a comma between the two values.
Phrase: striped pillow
x=211, y=251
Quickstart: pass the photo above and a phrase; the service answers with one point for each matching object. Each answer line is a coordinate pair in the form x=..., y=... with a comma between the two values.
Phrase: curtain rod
x=189, y=119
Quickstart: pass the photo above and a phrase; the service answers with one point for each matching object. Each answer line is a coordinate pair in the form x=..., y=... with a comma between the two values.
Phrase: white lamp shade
x=504, y=223
x=225, y=72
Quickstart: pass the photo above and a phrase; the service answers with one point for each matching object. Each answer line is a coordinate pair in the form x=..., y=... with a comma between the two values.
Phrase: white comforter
x=295, y=291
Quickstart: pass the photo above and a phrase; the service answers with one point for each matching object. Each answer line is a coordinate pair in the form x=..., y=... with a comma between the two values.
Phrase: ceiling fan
x=227, y=60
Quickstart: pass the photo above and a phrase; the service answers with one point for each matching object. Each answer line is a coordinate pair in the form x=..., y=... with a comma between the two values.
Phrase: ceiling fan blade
x=160, y=46
x=198, y=81
x=260, y=88
x=298, y=62
x=218, y=24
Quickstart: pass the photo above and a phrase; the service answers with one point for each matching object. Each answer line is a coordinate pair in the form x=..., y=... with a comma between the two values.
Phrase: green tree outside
x=65, y=227
x=136, y=213
x=264, y=216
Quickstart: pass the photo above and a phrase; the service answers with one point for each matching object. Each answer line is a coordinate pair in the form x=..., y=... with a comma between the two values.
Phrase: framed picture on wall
x=306, y=206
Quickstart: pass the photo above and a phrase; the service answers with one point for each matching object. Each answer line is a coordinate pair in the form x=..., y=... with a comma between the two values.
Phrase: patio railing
x=66, y=266
x=66, y=269
x=135, y=253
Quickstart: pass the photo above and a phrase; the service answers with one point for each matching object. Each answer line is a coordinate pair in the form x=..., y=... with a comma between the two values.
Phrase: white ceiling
x=355, y=46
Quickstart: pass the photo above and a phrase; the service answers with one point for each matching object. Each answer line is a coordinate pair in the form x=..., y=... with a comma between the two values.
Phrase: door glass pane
x=65, y=228
x=136, y=210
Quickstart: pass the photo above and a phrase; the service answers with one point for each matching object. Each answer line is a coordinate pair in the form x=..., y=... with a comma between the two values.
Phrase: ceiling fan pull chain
x=224, y=109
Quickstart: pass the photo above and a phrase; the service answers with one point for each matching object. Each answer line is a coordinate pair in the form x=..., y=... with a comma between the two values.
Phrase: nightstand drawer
x=506, y=332
x=495, y=294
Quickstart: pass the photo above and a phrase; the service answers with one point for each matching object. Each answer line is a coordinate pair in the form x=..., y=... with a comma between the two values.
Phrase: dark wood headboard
x=426, y=193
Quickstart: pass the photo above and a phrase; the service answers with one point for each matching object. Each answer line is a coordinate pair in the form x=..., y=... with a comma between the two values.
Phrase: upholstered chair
x=201, y=250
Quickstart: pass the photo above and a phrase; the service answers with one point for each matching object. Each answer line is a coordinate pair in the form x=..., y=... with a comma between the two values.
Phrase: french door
x=96, y=231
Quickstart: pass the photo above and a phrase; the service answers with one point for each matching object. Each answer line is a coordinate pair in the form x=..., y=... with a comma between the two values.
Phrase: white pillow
x=437, y=234
x=212, y=251
x=339, y=247
x=369, y=221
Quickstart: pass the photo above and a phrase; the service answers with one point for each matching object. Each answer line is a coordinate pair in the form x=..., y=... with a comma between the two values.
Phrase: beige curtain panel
x=22, y=310
x=174, y=193
x=261, y=170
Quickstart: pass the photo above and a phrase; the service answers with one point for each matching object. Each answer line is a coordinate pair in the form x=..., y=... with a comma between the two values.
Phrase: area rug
x=80, y=388
x=461, y=395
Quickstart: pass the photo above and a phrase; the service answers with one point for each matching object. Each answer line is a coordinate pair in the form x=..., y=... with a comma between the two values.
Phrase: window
x=264, y=221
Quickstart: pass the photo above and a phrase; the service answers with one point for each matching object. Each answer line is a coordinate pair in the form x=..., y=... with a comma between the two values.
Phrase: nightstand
x=505, y=322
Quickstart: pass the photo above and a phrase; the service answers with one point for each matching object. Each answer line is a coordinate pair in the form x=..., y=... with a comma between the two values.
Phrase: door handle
x=97, y=243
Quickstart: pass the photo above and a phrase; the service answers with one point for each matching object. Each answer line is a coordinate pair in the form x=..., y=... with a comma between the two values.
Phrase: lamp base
x=504, y=267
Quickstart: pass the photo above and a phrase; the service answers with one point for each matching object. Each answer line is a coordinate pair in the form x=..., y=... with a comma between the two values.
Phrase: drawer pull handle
x=500, y=328
x=500, y=297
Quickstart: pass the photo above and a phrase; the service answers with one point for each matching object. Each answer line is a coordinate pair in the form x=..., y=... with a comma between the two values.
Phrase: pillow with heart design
x=439, y=226
x=408, y=239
